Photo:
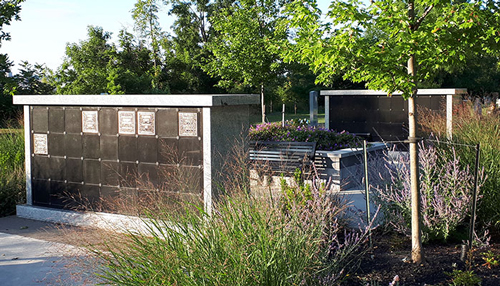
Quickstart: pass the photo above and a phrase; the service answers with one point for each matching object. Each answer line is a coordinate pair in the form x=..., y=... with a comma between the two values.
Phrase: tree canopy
x=372, y=43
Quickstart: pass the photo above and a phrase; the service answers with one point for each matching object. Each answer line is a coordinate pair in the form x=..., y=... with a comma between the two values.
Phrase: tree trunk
x=416, y=238
x=283, y=116
x=263, y=105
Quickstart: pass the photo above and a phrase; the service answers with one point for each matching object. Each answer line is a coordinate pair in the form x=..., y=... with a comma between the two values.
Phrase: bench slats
x=282, y=156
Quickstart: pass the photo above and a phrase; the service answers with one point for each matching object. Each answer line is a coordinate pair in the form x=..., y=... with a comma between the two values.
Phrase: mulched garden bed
x=391, y=256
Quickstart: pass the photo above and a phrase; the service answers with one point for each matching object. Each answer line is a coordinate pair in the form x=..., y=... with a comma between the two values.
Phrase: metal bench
x=282, y=157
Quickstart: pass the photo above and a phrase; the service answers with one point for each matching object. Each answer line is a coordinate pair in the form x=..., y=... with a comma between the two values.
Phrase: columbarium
x=97, y=146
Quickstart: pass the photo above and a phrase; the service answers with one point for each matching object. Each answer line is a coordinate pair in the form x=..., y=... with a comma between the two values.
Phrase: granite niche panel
x=86, y=155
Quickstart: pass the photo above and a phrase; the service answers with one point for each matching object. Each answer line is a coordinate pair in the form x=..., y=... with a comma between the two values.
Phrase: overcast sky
x=46, y=27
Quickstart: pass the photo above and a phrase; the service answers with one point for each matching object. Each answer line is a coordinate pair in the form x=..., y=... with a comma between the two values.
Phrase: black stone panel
x=190, y=150
x=91, y=171
x=109, y=147
x=73, y=120
x=91, y=197
x=73, y=145
x=148, y=174
x=168, y=151
x=56, y=119
x=74, y=170
x=398, y=104
x=41, y=167
x=40, y=119
x=147, y=149
x=110, y=173
x=73, y=196
x=127, y=148
x=128, y=174
x=384, y=102
x=41, y=194
x=56, y=144
x=167, y=122
x=58, y=195
x=91, y=146
x=192, y=178
x=57, y=169
x=108, y=121
x=108, y=196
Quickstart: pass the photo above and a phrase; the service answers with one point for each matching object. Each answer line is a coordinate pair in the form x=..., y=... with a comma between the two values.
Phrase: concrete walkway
x=35, y=253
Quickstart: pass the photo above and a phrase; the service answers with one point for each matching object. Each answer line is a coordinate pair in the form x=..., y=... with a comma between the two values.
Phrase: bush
x=445, y=190
x=12, y=180
x=245, y=241
x=293, y=131
x=470, y=128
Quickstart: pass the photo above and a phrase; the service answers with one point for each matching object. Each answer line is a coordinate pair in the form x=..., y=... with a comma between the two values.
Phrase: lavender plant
x=445, y=188
x=298, y=131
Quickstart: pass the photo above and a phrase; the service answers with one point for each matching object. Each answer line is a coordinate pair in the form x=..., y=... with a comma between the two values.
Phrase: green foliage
x=372, y=42
x=11, y=150
x=244, y=48
x=325, y=139
x=464, y=278
x=490, y=259
x=12, y=179
x=300, y=193
x=245, y=241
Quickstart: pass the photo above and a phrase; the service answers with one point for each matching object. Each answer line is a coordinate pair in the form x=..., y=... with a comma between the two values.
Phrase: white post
x=327, y=112
x=27, y=154
x=207, y=160
x=449, y=116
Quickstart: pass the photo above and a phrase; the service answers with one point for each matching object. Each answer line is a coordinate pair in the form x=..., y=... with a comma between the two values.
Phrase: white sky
x=46, y=27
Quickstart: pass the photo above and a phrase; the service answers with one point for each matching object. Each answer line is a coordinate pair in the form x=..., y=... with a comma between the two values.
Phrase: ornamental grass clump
x=326, y=139
x=244, y=241
x=445, y=189
x=12, y=179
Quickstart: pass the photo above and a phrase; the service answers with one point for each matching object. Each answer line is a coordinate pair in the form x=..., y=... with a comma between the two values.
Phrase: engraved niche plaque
x=126, y=122
x=40, y=144
x=89, y=121
x=146, y=123
x=188, y=124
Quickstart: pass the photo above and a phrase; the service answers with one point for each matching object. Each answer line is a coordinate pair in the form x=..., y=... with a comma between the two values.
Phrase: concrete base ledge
x=113, y=222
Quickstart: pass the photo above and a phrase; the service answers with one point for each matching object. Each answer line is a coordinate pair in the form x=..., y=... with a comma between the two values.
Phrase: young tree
x=145, y=14
x=244, y=45
x=410, y=40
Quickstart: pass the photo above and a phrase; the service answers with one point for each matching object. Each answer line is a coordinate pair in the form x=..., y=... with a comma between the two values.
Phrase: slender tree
x=244, y=45
x=413, y=39
x=145, y=15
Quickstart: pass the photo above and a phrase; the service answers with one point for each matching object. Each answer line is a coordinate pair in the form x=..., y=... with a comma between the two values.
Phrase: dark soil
x=391, y=256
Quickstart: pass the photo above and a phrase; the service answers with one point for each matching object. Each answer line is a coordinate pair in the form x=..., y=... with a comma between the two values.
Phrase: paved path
x=30, y=254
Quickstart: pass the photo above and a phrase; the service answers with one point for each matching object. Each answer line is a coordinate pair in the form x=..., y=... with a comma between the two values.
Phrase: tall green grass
x=12, y=183
x=246, y=240
x=470, y=128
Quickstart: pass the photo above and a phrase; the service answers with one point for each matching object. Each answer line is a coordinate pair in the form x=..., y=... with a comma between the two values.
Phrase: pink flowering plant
x=299, y=131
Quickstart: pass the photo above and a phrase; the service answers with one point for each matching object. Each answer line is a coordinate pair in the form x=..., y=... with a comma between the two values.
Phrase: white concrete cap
x=186, y=100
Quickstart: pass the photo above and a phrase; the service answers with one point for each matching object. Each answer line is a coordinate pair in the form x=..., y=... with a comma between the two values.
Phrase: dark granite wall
x=382, y=116
x=92, y=167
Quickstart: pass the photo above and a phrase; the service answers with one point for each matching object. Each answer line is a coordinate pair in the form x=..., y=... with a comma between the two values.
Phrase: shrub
x=245, y=241
x=12, y=184
x=470, y=128
x=294, y=131
x=445, y=189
